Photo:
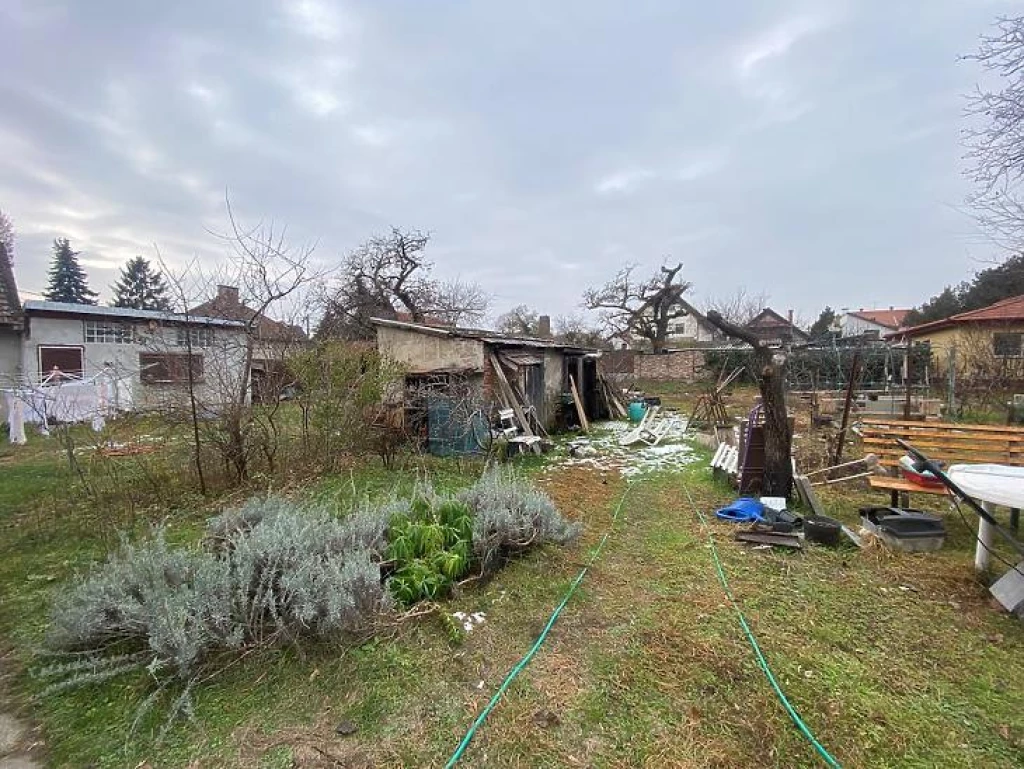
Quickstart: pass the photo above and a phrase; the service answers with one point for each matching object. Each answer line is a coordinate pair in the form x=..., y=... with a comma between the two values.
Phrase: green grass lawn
x=892, y=660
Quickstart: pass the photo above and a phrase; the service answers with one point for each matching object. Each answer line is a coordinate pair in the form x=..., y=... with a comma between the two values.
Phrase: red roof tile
x=1007, y=310
x=889, y=318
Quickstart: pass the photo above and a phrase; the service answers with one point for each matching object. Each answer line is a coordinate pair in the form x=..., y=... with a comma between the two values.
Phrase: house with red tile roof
x=879, y=322
x=993, y=334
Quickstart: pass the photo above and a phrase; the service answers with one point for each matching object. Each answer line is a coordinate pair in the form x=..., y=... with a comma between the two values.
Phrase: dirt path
x=20, y=746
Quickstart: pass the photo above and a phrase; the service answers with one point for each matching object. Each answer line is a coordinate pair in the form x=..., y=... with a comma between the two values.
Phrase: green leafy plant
x=430, y=544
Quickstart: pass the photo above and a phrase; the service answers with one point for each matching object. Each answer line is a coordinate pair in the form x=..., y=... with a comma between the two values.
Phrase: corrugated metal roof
x=127, y=313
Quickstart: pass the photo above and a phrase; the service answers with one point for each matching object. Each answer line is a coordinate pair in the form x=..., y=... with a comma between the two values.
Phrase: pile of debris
x=603, y=449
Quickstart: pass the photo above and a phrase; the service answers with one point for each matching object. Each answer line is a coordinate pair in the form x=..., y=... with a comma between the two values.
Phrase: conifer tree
x=68, y=281
x=141, y=287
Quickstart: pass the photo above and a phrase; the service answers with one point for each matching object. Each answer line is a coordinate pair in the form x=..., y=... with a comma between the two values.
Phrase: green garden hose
x=761, y=661
x=518, y=667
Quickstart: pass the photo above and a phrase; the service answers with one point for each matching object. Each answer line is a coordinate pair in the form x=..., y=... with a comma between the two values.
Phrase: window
x=1007, y=345
x=200, y=337
x=60, y=362
x=169, y=368
x=107, y=332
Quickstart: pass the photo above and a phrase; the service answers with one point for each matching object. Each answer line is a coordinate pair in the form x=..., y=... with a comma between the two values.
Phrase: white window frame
x=202, y=337
x=106, y=332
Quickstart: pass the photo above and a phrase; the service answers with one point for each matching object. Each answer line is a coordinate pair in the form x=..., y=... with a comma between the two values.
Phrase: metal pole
x=906, y=402
x=951, y=377
x=841, y=438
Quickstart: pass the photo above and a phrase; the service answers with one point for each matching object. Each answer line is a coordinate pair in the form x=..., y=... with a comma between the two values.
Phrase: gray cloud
x=809, y=149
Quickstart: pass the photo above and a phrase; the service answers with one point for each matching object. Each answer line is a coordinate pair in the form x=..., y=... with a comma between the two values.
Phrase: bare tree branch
x=640, y=307
x=995, y=143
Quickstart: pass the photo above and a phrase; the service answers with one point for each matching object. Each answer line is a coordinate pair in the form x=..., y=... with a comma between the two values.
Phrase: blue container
x=637, y=409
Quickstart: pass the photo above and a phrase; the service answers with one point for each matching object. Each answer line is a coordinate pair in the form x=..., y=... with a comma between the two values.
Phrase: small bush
x=510, y=515
x=285, y=571
x=429, y=543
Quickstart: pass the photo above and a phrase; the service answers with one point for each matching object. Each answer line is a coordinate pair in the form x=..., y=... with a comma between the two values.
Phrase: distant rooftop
x=890, y=318
x=1006, y=311
x=127, y=313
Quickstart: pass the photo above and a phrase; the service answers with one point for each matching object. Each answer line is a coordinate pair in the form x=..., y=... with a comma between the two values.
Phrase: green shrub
x=429, y=544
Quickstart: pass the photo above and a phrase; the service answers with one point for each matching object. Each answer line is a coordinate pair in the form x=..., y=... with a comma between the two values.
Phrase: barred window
x=1007, y=345
x=107, y=332
x=200, y=337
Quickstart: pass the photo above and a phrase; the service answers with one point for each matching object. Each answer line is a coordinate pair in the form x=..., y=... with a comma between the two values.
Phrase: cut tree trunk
x=771, y=377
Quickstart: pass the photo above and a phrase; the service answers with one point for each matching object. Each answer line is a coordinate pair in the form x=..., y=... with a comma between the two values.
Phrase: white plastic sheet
x=15, y=418
x=998, y=484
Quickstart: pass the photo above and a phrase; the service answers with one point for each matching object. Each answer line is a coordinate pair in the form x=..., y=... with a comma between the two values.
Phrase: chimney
x=789, y=316
x=227, y=294
x=544, y=326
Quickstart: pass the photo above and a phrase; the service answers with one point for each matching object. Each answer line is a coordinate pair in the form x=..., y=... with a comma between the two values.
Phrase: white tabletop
x=998, y=484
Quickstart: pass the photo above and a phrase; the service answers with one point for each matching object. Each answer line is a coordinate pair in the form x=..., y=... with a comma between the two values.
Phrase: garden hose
x=518, y=667
x=761, y=661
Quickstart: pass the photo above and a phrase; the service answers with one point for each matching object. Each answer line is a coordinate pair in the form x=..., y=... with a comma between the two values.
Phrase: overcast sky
x=810, y=149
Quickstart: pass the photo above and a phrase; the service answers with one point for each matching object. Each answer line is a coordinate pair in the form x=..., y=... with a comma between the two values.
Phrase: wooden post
x=837, y=457
x=910, y=369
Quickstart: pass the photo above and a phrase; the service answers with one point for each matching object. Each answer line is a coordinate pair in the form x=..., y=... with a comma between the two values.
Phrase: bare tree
x=6, y=238
x=519, y=321
x=996, y=144
x=458, y=303
x=574, y=330
x=739, y=307
x=640, y=307
x=390, y=274
x=771, y=376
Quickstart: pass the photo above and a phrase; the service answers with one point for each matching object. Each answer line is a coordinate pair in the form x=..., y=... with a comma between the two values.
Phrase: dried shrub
x=285, y=571
x=510, y=515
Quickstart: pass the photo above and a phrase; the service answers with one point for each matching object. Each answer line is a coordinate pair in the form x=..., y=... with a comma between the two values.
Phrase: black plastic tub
x=905, y=529
x=823, y=530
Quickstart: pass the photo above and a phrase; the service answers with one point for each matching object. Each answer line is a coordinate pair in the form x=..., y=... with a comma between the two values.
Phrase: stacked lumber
x=946, y=442
x=513, y=397
x=611, y=397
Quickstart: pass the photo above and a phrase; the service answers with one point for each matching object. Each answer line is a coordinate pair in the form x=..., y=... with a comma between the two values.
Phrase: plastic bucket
x=636, y=411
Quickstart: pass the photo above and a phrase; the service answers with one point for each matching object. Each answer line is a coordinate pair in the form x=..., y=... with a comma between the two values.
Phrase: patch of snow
x=602, y=451
x=470, y=621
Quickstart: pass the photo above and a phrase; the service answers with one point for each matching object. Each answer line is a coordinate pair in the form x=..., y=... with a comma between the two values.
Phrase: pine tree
x=141, y=287
x=823, y=325
x=68, y=282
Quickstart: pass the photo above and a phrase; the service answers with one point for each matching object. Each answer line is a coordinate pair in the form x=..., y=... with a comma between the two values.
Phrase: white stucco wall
x=853, y=325
x=10, y=355
x=421, y=353
x=553, y=367
x=223, y=361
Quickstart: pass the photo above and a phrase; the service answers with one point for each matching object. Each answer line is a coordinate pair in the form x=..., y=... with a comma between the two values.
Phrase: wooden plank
x=510, y=395
x=902, y=484
x=808, y=495
x=951, y=438
x=886, y=423
x=778, y=539
x=579, y=405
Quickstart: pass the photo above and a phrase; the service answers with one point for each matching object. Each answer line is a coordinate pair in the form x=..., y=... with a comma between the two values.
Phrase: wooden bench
x=900, y=489
x=942, y=441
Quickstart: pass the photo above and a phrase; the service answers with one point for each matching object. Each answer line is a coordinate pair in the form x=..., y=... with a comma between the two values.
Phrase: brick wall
x=681, y=365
